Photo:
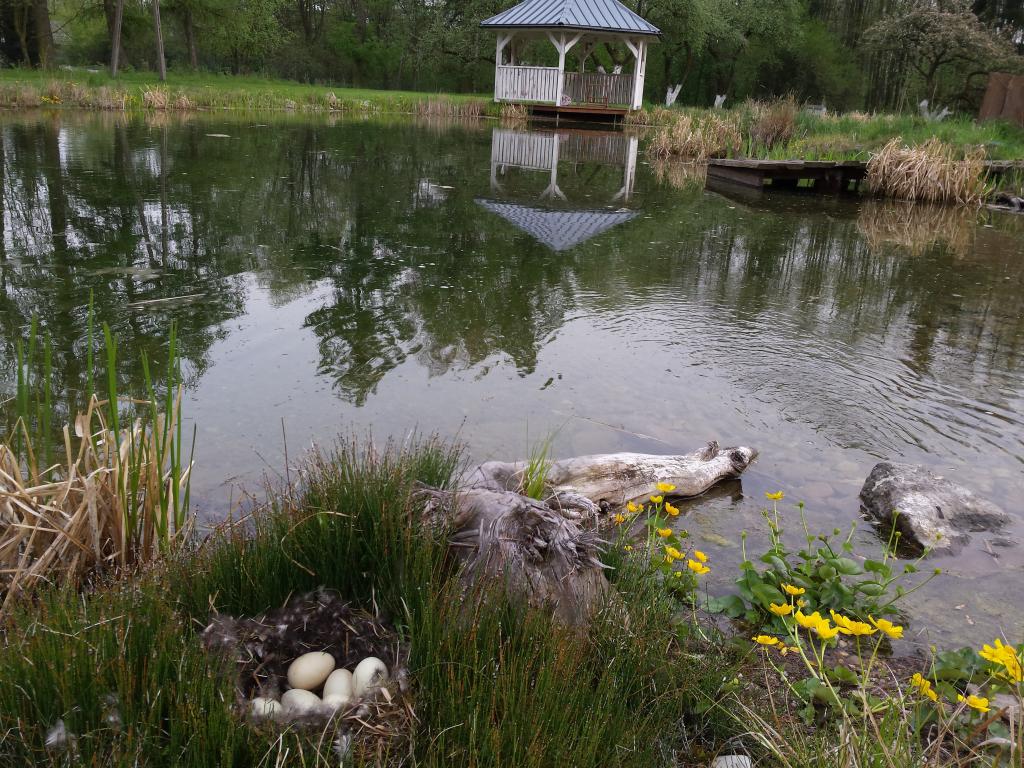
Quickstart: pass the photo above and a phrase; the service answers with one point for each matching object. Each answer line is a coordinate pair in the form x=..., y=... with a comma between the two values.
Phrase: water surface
x=392, y=275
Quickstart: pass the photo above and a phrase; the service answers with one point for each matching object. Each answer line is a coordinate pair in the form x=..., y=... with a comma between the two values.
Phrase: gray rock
x=929, y=510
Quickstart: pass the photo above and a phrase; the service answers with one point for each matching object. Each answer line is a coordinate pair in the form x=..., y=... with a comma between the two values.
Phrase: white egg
x=338, y=684
x=309, y=671
x=336, y=702
x=262, y=707
x=300, y=702
x=369, y=673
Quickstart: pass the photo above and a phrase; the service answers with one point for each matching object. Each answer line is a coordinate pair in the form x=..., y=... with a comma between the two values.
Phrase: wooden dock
x=826, y=176
x=822, y=175
x=581, y=112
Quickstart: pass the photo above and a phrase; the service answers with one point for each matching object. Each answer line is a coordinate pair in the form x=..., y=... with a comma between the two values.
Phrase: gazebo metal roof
x=591, y=15
x=558, y=230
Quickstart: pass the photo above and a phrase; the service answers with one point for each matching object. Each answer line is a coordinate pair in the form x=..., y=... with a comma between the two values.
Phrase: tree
x=161, y=62
x=687, y=27
x=941, y=39
x=115, y=36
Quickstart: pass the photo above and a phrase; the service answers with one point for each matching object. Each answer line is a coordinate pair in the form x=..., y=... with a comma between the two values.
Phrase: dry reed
x=679, y=175
x=917, y=227
x=697, y=138
x=513, y=113
x=118, y=500
x=155, y=98
x=930, y=172
x=448, y=109
x=772, y=123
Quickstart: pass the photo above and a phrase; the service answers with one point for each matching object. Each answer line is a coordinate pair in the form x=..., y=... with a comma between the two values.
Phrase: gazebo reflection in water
x=598, y=174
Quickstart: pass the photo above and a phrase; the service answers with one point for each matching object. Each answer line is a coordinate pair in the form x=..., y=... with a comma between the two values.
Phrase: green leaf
x=777, y=564
x=876, y=566
x=846, y=566
x=871, y=588
x=731, y=605
x=766, y=593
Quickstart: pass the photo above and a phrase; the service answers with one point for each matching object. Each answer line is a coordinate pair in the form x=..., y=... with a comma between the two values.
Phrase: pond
x=501, y=284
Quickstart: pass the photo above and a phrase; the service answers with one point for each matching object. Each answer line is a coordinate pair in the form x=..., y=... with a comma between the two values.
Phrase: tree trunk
x=115, y=37
x=190, y=38
x=161, y=63
x=548, y=552
x=21, y=27
x=44, y=33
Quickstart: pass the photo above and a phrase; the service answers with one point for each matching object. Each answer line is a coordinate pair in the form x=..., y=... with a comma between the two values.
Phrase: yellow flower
x=850, y=626
x=801, y=603
x=895, y=631
x=1004, y=655
x=781, y=610
x=825, y=631
x=619, y=518
x=666, y=487
x=631, y=507
x=791, y=590
x=699, y=568
x=677, y=574
x=664, y=532
x=777, y=496
x=924, y=686
x=809, y=622
x=671, y=510
x=628, y=547
x=979, y=703
x=767, y=640
x=669, y=559
x=858, y=628
x=698, y=555
x=656, y=499
x=787, y=649
x=674, y=553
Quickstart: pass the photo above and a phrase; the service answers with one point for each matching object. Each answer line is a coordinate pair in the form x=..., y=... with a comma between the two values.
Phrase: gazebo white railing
x=539, y=84
x=568, y=24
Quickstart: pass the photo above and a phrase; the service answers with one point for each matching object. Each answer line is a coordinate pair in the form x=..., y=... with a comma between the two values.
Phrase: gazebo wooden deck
x=570, y=24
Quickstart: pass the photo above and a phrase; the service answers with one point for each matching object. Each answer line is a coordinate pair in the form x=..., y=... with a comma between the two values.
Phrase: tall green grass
x=103, y=485
x=494, y=683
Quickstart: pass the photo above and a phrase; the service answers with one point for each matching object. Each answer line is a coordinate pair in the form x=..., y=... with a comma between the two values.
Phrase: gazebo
x=551, y=217
x=567, y=24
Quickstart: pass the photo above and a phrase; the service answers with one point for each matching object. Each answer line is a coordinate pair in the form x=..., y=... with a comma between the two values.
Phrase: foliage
x=535, y=475
x=844, y=54
x=935, y=38
x=823, y=575
x=665, y=553
x=124, y=671
x=948, y=716
x=118, y=500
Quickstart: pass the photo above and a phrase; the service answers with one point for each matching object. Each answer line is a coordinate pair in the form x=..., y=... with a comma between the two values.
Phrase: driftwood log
x=548, y=550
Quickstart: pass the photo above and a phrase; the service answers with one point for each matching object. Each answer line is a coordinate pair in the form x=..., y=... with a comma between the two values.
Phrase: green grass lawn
x=96, y=89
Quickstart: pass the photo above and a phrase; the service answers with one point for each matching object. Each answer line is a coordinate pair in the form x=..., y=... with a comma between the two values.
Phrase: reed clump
x=772, y=123
x=679, y=175
x=917, y=227
x=449, y=109
x=514, y=113
x=116, y=493
x=155, y=98
x=697, y=137
x=932, y=172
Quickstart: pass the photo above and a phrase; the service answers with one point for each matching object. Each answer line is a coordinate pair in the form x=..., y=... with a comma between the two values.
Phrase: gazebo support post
x=563, y=45
x=639, y=50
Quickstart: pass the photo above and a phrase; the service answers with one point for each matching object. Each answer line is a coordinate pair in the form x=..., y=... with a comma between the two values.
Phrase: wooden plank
x=750, y=177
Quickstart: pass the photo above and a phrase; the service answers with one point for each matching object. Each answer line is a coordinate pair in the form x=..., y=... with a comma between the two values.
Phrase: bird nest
x=263, y=647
